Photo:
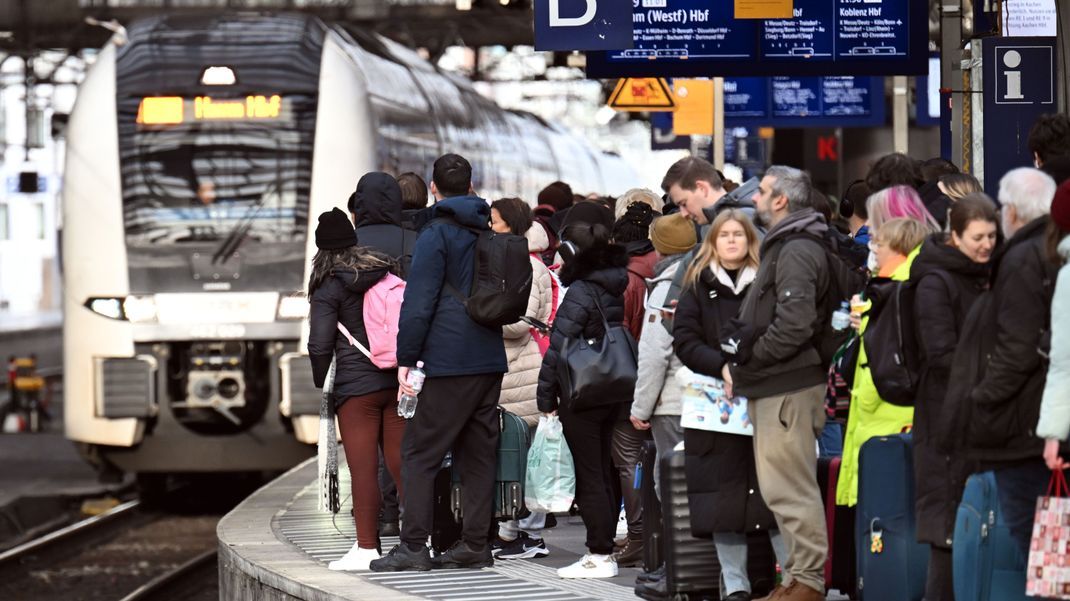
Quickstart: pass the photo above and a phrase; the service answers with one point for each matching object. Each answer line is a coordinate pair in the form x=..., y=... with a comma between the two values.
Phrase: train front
x=186, y=203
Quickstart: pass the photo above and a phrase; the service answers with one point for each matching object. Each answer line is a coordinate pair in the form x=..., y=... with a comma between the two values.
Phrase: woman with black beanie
x=365, y=397
x=596, y=276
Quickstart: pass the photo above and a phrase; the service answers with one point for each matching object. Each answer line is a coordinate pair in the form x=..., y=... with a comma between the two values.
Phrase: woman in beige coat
x=522, y=539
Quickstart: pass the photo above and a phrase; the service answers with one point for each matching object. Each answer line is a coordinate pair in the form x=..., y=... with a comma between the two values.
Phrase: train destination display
x=838, y=101
x=696, y=38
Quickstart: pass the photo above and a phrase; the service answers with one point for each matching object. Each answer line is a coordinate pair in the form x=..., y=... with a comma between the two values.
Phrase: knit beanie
x=335, y=231
x=1060, y=206
x=673, y=234
x=634, y=225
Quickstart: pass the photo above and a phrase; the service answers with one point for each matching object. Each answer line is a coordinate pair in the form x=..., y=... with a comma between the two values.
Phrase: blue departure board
x=701, y=38
x=835, y=101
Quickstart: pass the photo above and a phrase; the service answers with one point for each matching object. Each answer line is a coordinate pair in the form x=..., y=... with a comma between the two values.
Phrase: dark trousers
x=589, y=435
x=1018, y=487
x=459, y=413
x=627, y=442
x=939, y=585
x=390, y=509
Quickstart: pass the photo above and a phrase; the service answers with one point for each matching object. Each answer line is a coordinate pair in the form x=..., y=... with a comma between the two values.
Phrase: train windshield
x=203, y=170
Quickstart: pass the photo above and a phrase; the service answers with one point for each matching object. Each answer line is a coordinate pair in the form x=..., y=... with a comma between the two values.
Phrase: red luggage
x=840, y=568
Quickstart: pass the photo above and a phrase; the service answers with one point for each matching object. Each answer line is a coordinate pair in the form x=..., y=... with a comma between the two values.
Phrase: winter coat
x=722, y=478
x=656, y=390
x=641, y=260
x=340, y=298
x=939, y=311
x=521, y=350
x=870, y=415
x=377, y=213
x=1005, y=404
x=1055, y=407
x=434, y=326
x=598, y=274
x=782, y=305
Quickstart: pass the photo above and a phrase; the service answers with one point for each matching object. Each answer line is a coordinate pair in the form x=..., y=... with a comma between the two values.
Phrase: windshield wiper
x=240, y=231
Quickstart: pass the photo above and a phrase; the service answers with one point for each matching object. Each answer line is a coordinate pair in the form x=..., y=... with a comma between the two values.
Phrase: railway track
x=127, y=553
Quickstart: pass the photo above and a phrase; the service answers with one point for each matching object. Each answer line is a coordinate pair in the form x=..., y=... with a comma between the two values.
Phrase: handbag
x=1048, y=574
x=596, y=372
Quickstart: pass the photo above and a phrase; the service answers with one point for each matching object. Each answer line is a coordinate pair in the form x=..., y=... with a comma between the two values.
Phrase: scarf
x=327, y=448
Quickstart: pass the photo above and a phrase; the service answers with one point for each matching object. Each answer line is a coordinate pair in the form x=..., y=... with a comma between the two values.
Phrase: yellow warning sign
x=642, y=94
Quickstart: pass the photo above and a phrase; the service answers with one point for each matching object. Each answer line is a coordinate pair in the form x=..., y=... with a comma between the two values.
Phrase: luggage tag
x=876, y=541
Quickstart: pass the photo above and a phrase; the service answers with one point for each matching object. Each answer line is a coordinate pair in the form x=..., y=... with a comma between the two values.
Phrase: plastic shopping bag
x=550, y=483
x=1049, y=548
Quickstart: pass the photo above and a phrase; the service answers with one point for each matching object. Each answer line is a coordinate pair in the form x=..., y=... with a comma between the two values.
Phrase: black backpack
x=891, y=340
x=501, y=280
x=845, y=280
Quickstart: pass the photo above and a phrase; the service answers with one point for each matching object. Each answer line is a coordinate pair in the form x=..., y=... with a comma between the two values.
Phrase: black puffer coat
x=939, y=310
x=341, y=299
x=598, y=273
x=722, y=481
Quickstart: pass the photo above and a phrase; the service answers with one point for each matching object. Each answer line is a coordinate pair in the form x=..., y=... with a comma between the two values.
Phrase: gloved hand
x=737, y=341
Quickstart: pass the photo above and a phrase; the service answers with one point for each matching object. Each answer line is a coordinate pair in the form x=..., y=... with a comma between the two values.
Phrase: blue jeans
x=830, y=443
x=732, y=553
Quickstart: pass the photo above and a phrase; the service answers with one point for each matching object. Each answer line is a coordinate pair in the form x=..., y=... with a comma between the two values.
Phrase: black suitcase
x=652, y=522
x=445, y=529
x=691, y=567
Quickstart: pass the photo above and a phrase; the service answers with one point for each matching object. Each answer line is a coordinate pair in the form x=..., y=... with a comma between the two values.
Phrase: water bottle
x=841, y=318
x=407, y=404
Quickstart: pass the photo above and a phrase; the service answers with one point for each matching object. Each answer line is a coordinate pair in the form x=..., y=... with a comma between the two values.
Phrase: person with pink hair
x=894, y=203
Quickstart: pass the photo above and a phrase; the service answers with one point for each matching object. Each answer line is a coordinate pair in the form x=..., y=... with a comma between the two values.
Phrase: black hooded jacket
x=376, y=206
x=939, y=310
x=340, y=299
x=599, y=273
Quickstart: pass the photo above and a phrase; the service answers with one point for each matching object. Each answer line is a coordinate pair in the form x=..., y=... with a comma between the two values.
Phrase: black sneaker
x=497, y=545
x=524, y=547
x=459, y=557
x=652, y=576
x=403, y=559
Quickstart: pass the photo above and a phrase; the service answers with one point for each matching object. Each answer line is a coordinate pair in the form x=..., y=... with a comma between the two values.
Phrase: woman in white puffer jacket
x=1054, y=423
x=522, y=539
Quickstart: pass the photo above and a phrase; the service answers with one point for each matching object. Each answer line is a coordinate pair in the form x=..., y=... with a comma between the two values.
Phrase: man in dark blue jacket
x=464, y=362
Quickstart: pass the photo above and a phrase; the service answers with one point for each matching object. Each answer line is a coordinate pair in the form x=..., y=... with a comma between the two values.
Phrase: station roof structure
x=30, y=25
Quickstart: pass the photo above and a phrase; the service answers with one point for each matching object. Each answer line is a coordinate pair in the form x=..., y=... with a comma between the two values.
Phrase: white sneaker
x=355, y=559
x=590, y=566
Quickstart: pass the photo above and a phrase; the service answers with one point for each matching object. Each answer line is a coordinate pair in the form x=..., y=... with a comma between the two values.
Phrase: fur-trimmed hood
x=605, y=265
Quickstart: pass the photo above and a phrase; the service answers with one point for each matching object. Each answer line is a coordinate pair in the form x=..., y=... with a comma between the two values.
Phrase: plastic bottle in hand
x=407, y=403
x=841, y=318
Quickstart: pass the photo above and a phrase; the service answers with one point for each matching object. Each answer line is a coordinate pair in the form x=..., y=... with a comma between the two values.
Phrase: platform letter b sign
x=556, y=20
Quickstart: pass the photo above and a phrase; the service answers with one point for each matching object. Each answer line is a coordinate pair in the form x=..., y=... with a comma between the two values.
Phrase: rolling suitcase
x=511, y=466
x=445, y=529
x=691, y=566
x=652, y=520
x=891, y=563
x=986, y=561
x=840, y=569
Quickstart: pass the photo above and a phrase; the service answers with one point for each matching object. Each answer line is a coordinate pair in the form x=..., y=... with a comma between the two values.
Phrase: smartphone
x=535, y=323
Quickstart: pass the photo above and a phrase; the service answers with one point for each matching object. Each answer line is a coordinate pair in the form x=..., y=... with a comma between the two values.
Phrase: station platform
x=276, y=546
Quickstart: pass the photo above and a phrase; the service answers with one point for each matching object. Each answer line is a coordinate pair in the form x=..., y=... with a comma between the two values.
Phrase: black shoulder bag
x=597, y=372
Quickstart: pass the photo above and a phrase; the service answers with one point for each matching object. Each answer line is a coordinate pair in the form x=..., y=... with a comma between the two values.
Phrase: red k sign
x=827, y=149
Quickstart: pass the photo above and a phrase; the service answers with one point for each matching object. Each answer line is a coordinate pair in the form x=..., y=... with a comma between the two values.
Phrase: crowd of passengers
x=729, y=287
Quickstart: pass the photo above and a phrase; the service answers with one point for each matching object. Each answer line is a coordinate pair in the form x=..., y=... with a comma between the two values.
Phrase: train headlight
x=140, y=308
x=293, y=307
x=124, y=308
x=108, y=307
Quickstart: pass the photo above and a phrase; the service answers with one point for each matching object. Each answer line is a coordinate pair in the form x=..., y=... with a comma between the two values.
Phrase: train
x=199, y=151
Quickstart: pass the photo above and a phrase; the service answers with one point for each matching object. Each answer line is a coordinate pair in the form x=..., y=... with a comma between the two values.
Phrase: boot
x=631, y=555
